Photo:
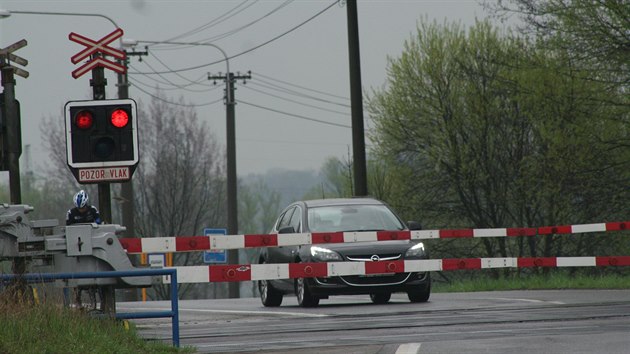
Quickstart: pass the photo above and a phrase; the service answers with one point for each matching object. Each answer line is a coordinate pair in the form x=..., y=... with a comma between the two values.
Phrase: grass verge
x=534, y=282
x=50, y=329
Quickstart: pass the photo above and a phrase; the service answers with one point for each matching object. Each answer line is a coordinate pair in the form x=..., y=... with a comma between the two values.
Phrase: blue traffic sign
x=214, y=256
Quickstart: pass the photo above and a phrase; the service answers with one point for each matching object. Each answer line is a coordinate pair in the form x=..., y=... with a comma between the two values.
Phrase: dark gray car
x=333, y=215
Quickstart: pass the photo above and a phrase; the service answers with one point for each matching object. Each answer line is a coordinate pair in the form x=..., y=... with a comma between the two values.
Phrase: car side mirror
x=414, y=225
x=286, y=230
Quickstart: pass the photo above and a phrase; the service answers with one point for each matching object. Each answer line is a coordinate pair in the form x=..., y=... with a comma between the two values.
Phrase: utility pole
x=232, y=202
x=98, y=83
x=10, y=117
x=356, y=101
x=126, y=188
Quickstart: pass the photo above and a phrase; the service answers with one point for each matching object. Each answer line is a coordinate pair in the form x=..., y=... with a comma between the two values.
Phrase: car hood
x=369, y=248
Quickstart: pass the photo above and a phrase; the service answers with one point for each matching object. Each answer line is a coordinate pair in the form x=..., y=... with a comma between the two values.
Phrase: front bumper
x=361, y=285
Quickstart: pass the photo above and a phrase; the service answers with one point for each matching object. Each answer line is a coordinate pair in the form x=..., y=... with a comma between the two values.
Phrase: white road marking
x=409, y=348
x=296, y=314
x=529, y=300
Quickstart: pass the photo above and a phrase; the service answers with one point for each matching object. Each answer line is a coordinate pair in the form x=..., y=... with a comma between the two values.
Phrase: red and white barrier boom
x=225, y=242
x=246, y=272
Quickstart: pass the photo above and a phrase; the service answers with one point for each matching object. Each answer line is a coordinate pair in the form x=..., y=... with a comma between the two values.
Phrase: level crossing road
x=550, y=321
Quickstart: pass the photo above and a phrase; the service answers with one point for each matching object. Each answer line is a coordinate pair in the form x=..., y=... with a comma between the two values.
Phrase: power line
x=238, y=29
x=149, y=86
x=244, y=52
x=294, y=101
x=169, y=82
x=275, y=87
x=177, y=103
x=302, y=87
x=295, y=115
x=217, y=20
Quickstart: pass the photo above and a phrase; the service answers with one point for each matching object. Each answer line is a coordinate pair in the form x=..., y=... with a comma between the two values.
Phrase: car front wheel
x=304, y=296
x=269, y=296
x=380, y=298
x=421, y=294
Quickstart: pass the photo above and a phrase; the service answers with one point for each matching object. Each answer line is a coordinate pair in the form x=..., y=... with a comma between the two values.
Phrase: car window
x=352, y=218
x=296, y=219
x=285, y=219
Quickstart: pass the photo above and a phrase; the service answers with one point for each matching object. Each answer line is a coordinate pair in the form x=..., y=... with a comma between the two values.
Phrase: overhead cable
x=295, y=115
x=275, y=87
x=294, y=101
x=177, y=103
x=217, y=20
x=244, y=52
x=301, y=87
x=238, y=29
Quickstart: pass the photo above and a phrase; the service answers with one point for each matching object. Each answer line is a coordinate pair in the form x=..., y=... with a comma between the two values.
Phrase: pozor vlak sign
x=102, y=140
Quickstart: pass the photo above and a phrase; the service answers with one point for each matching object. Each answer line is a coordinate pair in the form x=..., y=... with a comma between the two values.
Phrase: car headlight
x=416, y=250
x=324, y=254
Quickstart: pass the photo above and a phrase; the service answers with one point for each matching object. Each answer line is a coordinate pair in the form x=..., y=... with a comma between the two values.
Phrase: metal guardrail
x=173, y=314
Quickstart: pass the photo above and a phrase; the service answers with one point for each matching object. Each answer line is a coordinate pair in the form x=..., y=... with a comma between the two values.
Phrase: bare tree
x=59, y=185
x=179, y=186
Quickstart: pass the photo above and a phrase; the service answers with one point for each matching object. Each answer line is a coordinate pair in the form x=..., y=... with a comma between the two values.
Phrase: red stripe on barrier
x=537, y=262
x=230, y=272
x=548, y=230
x=464, y=263
x=463, y=233
x=262, y=240
x=327, y=237
x=393, y=235
x=383, y=267
x=617, y=226
x=613, y=261
x=307, y=270
x=132, y=245
x=521, y=231
x=192, y=243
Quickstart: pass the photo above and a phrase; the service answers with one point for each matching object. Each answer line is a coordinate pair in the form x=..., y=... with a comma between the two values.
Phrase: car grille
x=375, y=279
x=368, y=258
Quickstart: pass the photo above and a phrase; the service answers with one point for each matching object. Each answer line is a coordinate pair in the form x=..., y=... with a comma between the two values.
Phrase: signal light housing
x=101, y=133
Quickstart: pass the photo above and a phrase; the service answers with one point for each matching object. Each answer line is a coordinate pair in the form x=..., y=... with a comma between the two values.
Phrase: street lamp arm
x=227, y=62
x=7, y=13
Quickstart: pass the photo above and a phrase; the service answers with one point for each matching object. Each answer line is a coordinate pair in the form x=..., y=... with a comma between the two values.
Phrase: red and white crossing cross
x=102, y=46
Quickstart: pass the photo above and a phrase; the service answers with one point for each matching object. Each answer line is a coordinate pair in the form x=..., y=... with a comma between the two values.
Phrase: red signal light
x=119, y=118
x=84, y=120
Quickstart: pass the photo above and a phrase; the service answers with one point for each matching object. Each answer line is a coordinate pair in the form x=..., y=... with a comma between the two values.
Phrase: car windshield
x=352, y=218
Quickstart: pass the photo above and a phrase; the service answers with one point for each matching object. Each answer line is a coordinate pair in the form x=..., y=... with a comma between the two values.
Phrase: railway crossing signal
x=102, y=139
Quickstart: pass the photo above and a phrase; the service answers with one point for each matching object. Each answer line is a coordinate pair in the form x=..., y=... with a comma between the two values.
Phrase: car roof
x=341, y=201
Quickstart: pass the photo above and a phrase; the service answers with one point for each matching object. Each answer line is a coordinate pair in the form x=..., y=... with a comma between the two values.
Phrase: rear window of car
x=352, y=218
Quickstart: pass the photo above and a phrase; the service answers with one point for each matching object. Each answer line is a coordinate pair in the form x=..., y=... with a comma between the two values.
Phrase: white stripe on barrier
x=489, y=232
x=221, y=242
x=191, y=274
x=363, y=236
x=423, y=265
x=346, y=268
x=158, y=245
x=270, y=271
x=424, y=234
x=588, y=228
x=576, y=261
x=294, y=239
x=498, y=263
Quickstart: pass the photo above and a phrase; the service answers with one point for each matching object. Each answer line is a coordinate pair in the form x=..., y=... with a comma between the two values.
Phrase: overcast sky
x=297, y=78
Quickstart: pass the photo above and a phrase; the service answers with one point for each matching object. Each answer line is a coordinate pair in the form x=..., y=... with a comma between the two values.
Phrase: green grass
x=534, y=282
x=50, y=329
